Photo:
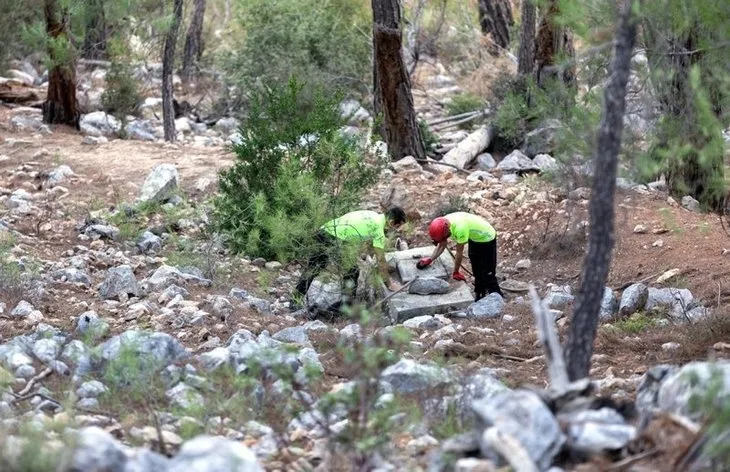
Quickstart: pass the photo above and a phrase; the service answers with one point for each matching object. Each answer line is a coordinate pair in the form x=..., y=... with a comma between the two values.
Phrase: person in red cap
x=482, y=239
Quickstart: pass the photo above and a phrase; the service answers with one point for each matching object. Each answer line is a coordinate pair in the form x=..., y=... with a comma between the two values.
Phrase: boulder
x=633, y=299
x=293, y=335
x=160, y=185
x=468, y=149
x=524, y=416
x=72, y=276
x=490, y=306
x=90, y=325
x=91, y=389
x=409, y=376
x=427, y=322
x=609, y=305
x=691, y=204
x=227, y=125
x=695, y=380
x=486, y=162
x=323, y=297
x=120, y=282
x=408, y=163
x=140, y=130
x=545, y=162
x=542, y=139
x=95, y=450
x=559, y=297
x=99, y=123
x=516, y=161
x=214, y=454
x=149, y=243
x=676, y=300
x=428, y=286
x=95, y=232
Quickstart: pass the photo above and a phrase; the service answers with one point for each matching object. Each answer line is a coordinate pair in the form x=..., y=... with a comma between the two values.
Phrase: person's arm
x=383, y=269
x=438, y=250
x=458, y=257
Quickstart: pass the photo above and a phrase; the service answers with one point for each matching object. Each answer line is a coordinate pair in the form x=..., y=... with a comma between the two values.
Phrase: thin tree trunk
x=526, y=57
x=495, y=18
x=193, y=42
x=95, y=40
x=553, y=41
x=168, y=66
x=598, y=259
x=393, y=86
x=60, y=105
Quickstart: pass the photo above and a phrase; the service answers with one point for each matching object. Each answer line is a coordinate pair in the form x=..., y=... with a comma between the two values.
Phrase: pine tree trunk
x=168, y=66
x=553, y=41
x=96, y=31
x=60, y=106
x=193, y=41
x=526, y=57
x=495, y=18
x=393, y=87
x=597, y=262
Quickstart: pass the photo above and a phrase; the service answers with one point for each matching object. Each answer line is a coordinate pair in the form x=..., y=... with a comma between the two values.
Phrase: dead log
x=510, y=449
x=468, y=149
x=15, y=92
x=548, y=336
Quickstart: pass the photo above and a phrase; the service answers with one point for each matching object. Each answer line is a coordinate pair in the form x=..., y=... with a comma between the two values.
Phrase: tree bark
x=553, y=41
x=168, y=65
x=60, y=106
x=495, y=18
x=95, y=39
x=193, y=42
x=393, y=87
x=526, y=56
x=598, y=259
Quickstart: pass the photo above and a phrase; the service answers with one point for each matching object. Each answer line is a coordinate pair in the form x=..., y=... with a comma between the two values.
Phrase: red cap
x=439, y=230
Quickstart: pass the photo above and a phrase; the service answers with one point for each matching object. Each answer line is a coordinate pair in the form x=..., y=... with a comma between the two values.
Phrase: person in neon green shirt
x=482, y=238
x=356, y=227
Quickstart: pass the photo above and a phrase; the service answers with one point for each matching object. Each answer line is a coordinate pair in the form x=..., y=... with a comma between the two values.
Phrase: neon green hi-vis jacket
x=359, y=226
x=466, y=227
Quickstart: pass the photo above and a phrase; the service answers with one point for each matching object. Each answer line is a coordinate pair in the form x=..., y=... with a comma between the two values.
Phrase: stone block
x=405, y=262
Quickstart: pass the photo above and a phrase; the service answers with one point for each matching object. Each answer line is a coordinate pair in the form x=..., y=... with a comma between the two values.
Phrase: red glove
x=423, y=263
x=458, y=276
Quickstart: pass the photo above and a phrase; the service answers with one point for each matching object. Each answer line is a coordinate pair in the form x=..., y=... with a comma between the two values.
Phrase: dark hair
x=396, y=215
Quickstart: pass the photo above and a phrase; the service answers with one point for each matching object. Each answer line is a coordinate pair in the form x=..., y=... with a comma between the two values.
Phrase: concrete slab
x=405, y=262
x=405, y=305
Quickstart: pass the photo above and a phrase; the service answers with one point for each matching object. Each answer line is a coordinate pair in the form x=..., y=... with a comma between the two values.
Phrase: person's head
x=439, y=230
x=395, y=216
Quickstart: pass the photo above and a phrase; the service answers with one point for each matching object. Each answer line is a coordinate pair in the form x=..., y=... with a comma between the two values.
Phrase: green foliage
x=634, y=324
x=121, y=96
x=430, y=140
x=14, y=14
x=464, y=103
x=32, y=452
x=326, y=41
x=16, y=277
x=293, y=172
x=709, y=400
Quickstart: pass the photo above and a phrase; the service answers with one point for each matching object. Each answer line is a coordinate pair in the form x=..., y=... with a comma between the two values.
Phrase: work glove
x=423, y=263
x=458, y=276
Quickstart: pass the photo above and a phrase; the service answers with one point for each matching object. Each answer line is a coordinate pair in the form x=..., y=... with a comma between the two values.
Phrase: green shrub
x=464, y=103
x=430, y=140
x=121, y=96
x=326, y=41
x=294, y=171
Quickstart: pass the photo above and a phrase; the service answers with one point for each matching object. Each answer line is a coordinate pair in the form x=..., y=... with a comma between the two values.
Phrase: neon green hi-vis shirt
x=467, y=227
x=359, y=226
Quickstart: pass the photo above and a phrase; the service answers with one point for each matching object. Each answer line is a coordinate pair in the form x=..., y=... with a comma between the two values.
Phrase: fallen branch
x=439, y=163
x=45, y=373
x=548, y=337
x=645, y=279
x=511, y=449
x=448, y=119
x=622, y=464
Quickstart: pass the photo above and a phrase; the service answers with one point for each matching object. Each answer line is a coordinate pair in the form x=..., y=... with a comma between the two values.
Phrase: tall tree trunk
x=393, y=87
x=495, y=18
x=168, y=66
x=553, y=41
x=194, y=41
x=598, y=259
x=96, y=31
x=60, y=105
x=526, y=57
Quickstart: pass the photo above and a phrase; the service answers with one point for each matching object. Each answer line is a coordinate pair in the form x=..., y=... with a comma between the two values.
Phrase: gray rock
x=486, y=162
x=350, y=334
x=647, y=394
x=149, y=243
x=694, y=379
x=13, y=356
x=691, y=204
x=93, y=140
x=144, y=460
x=214, y=454
x=559, y=297
x=525, y=417
x=676, y=300
x=408, y=376
x=72, y=276
x=99, y=123
x=227, y=125
x=184, y=396
x=633, y=299
x=75, y=351
x=516, y=161
x=160, y=184
x=594, y=438
x=542, y=139
x=97, y=451
x=25, y=123
x=153, y=351
x=353, y=112
x=120, y=282
x=481, y=385
x=46, y=350
x=58, y=175
x=91, y=389
x=166, y=276
x=315, y=325
x=323, y=297
x=171, y=292
x=426, y=322
x=140, y=130
x=89, y=324
x=25, y=371
x=260, y=305
x=481, y=176
x=295, y=335
x=609, y=305
x=408, y=163
x=428, y=286
x=22, y=309
x=238, y=293
x=102, y=232
x=215, y=359
x=545, y=162
x=490, y=306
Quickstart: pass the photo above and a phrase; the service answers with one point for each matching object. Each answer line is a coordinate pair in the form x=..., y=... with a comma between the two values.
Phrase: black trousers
x=483, y=257
x=327, y=249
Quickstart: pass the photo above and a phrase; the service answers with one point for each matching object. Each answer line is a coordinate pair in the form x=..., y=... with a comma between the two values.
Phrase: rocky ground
x=131, y=333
